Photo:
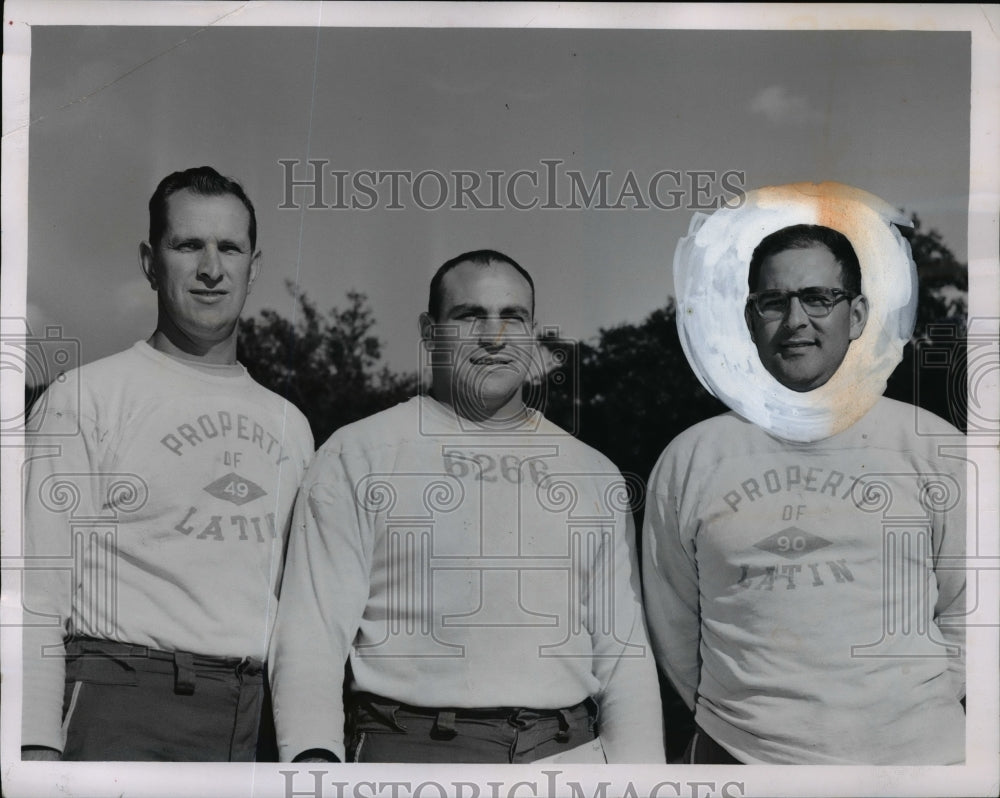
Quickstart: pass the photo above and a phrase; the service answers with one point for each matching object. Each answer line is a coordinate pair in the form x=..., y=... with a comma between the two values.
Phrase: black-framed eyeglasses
x=816, y=301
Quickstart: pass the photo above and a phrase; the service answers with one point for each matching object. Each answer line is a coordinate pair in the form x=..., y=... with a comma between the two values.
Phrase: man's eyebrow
x=507, y=310
x=511, y=309
x=177, y=240
x=180, y=240
x=466, y=307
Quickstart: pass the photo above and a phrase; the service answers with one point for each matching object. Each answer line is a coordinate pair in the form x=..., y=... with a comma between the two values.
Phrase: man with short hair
x=466, y=566
x=153, y=649
x=774, y=584
x=802, y=343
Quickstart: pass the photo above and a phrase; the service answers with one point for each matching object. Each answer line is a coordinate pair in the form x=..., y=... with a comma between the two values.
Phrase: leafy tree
x=632, y=392
x=325, y=364
x=932, y=373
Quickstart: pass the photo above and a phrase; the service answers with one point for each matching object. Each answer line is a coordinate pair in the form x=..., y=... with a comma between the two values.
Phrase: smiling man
x=171, y=505
x=799, y=617
x=806, y=304
x=465, y=566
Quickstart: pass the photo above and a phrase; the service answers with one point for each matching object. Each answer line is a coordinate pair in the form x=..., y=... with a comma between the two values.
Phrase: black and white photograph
x=394, y=393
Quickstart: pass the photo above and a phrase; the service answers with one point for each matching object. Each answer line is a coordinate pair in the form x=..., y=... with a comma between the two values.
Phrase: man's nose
x=210, y=265
x=796, y=315
x=491, y=330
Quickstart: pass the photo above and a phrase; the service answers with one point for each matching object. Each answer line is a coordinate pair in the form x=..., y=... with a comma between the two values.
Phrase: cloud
x=779, y=106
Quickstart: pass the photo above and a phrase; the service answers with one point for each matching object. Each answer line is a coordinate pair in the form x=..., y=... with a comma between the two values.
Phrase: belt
x=520, y=717
x=182, y=664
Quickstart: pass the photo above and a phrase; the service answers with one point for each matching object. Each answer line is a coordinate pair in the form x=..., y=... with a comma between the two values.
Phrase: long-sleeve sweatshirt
x=459, y=567
x=806, y=599
x=157, y=502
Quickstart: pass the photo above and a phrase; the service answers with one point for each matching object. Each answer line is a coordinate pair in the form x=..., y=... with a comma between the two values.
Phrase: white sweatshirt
x=796, y=592
x=457, y=567
x=160, y=521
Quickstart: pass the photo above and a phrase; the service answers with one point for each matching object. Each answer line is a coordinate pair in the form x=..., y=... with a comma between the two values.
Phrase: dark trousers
x=382, y=730
x=132, y=703
x=703, y=750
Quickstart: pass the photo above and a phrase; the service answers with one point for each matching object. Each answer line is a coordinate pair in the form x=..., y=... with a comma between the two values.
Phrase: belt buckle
x=251, y=666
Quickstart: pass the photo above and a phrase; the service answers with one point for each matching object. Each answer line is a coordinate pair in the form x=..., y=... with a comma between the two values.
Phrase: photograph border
x=979, y=776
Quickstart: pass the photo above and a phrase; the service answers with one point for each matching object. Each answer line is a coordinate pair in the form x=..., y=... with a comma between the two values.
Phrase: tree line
x=627, y=393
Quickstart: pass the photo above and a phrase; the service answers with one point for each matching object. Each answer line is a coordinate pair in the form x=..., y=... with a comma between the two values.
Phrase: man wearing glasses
x=797, y=624
x=802, y=343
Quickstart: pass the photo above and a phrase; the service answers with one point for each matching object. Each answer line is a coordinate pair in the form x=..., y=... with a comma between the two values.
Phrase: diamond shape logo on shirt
x=234, y=488
x=792, y=543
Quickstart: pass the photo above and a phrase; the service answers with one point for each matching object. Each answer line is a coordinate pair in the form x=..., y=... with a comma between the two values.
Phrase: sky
x=116, y=108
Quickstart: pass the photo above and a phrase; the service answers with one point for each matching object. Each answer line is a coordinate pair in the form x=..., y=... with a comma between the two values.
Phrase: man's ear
x=256, y=264
x=748, y=317
x=859, y=316
x=426, y=327
x=147, y=262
